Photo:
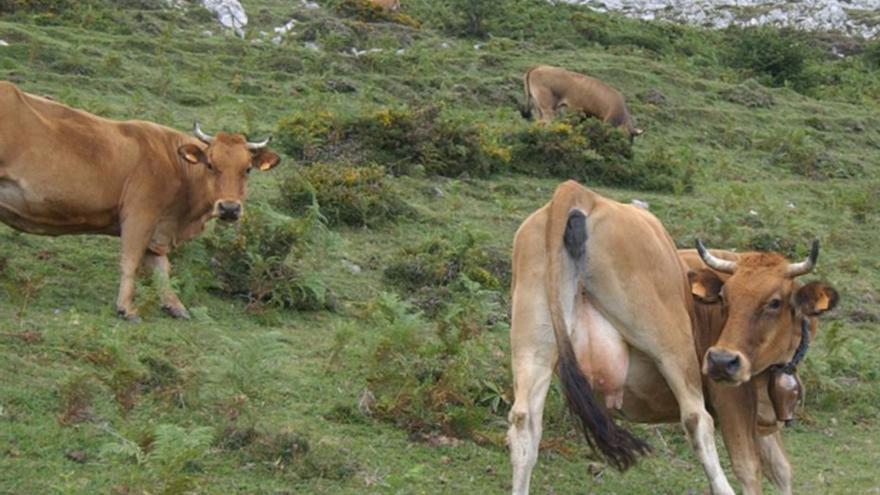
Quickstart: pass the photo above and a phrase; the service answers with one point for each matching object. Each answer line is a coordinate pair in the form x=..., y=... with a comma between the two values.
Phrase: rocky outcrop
x=852, y=17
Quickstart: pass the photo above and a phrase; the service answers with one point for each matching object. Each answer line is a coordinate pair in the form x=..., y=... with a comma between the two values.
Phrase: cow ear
x=705, y=285
x=815, y=298
x=192, y=153
x=265, y=160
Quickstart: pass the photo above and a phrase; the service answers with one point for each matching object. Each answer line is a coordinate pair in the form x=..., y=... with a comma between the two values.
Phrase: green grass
x=75, y=379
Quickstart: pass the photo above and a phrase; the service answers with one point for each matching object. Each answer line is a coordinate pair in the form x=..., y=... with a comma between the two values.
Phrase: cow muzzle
x=229, y=211
x=724, y=366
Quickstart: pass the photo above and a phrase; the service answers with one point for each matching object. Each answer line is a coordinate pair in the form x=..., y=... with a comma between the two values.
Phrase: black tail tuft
x=619, y=447
x=526, y=111
x=575, y=237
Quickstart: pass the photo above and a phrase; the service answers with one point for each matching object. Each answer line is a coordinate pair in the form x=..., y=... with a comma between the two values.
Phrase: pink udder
x=602, y=354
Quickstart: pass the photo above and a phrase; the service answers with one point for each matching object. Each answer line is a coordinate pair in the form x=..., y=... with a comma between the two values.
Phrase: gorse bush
x=592, y=152
x=440, y=379
x=344, y=194
x=256, y=260
x=572, y=146
x=404, y=139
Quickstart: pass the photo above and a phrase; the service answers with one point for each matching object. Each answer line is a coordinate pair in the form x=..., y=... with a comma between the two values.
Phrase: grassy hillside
x=351, y=335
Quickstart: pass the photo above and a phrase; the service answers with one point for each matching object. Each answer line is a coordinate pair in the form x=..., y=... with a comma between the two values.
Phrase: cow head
x=763, y=307
x=228, y=160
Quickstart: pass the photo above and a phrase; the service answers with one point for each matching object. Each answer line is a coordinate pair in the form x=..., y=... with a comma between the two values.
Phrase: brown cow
x=601, y=294
x=548, y=89
x=387, y=5
x=66, y=171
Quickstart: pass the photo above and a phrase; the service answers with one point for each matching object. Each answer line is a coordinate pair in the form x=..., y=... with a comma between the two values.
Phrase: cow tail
x=525, y=108
x=566, y=247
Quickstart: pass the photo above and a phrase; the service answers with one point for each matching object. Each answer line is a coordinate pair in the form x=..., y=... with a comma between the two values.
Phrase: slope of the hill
x=259, y=398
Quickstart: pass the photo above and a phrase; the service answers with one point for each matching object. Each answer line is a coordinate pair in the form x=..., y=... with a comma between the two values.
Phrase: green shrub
x=427, y=272
x=441, y=379
x=344, y=194
x=42, y=6
x=256, y=260
x=800, y=152
x=774, y=57
x=400, y=138
x=473, y=17
x=750, y=93
x=871, y=55
x=570, y=147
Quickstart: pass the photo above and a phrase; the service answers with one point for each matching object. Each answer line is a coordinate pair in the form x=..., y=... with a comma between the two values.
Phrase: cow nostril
x=732, y=366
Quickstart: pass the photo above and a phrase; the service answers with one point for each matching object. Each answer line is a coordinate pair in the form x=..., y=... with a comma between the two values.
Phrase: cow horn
x=715, y=263
x=258, y=145
x=806, y=266
x=206, y=138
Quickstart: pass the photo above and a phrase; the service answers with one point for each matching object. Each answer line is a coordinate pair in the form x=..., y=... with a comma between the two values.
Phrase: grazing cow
x=548, y=89
x=387, y=5
x=601, y=294
x=66, y=171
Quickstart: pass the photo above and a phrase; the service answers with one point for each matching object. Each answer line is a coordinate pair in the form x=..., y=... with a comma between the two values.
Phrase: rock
x=230, y=13
x=851, y=17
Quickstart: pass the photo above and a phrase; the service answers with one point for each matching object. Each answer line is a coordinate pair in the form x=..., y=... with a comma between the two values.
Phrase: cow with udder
x=638, y=330
x=66, y=171
x=549, y=89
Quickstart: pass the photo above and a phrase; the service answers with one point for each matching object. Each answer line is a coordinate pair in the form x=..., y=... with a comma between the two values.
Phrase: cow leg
x=135, y=238
x=533, y=352
x=672, y=351
x=531, y=382
x=161, y=269
x=736, y=408
x=683, y=377
x=774, y=461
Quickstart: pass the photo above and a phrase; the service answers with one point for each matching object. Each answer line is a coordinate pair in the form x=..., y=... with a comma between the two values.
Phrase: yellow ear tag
x=265, y=166
x=698, y=290
x=823, y=302
x=191, y=158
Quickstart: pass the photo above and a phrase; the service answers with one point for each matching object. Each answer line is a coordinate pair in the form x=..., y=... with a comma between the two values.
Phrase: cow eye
x=210, y=166
x=774, y=303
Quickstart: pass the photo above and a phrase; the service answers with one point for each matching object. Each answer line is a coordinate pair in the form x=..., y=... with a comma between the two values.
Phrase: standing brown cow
x=66, y=171
x=387, y=5
x=601, y=295
x=548, y=89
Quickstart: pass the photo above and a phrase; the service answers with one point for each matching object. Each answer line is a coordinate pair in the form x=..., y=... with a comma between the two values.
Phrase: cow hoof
x=128, y=315
x=177, y=312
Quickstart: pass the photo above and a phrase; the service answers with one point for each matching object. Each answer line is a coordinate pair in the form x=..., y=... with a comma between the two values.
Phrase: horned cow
x=549, y=89
x=66, y=171
x=601, y=294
